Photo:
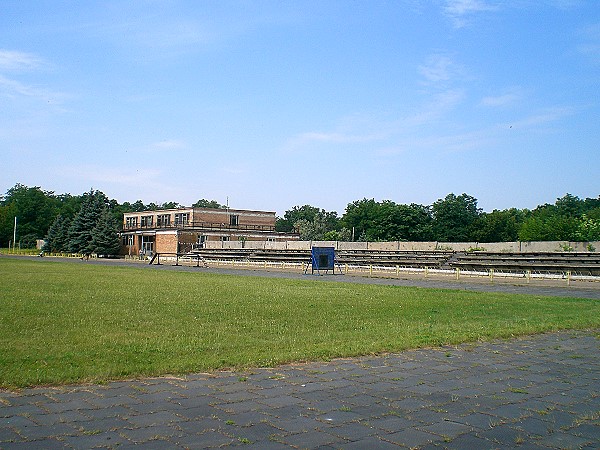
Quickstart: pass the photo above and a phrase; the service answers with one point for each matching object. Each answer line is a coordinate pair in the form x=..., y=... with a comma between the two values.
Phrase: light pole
x=15, y=234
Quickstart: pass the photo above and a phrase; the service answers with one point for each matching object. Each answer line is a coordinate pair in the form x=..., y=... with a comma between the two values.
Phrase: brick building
x=183, y=229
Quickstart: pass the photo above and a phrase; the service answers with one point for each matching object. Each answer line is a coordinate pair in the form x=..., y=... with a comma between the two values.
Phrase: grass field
x=64, y=322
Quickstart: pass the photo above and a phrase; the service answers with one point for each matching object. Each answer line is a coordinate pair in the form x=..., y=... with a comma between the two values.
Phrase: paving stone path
x=539, y=392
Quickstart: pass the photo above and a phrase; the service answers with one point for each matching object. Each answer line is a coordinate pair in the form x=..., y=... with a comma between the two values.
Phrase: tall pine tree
x=57, y=239
x=105, y=235
x=84, y=222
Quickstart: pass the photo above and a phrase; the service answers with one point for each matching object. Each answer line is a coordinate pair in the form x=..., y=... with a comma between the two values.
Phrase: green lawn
x=64, y=322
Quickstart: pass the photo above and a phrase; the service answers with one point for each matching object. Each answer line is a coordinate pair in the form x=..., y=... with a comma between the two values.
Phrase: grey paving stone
x=107, y=439
x=36, y=432
x=104, y=424
x=104, y=413
x=8, y=434
x=502, y=434
x=298, y=425
x=16, y=421
x=47, y=420
x=205, y=440
x=390, y=424
x=468, y=442
x=410, y=404
x=244, y=406
x=45, y=444
x=447, y=429
x=110, y=401
x=260, y=432
x=20, y=410
x=199, y=426
x=411, y=437
x=565, y=440
x=368, y=443
x=352, y=432
x=586, y=430
x=196, y=412
x=522, y=393
x=142, y=435
x=511, y=412
x=312, y=439
x=154, y=444
x=532, y=426
x=153, y=419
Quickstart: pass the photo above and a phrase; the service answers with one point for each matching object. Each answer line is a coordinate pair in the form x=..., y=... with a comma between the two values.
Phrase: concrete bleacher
x=386, y=258
x=432, y=259
x=583, y=263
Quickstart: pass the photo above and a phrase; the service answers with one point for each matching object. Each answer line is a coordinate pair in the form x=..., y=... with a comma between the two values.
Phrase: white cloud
x=510, y=97
x=13, y=88
x=439, y=68
x=15, y=60
x=460, y=10
x=590, y=42
x=545, y=116
x=365, y=130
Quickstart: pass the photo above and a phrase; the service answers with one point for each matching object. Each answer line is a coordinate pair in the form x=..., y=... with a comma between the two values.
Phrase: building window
x=182, y=218
x=225, y=238
x=131, y=222
x=234, y=220
x=146, y=221
x=163, y=220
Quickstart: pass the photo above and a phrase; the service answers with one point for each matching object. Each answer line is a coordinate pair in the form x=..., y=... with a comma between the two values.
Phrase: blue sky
x=276, y=104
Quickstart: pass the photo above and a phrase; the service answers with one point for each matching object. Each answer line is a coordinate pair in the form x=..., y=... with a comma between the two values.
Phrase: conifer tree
x=105, y=235
x=84, y=222
x=57, y=239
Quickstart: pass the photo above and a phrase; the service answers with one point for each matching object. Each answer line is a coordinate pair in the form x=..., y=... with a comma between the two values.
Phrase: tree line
x=455, y=218
x=90, y=223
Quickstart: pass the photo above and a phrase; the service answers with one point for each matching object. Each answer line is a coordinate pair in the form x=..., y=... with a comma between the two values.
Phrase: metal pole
x=15, y=234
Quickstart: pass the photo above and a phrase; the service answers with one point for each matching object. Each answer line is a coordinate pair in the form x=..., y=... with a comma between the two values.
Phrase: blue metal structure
x=323, y=258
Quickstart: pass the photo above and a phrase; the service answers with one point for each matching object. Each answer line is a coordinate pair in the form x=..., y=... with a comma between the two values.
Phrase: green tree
x=203, y=203
x=287, y=223
x=169, y=205
x=588, y=229
x=57, y=239
x=388, y=221
x=328, y=220
x=84, y=222
x=7, y=222
x=454, y=217
x=35, y=210
x=498, y=226
x=105, y=235
x=558, y=222
x=359, y=217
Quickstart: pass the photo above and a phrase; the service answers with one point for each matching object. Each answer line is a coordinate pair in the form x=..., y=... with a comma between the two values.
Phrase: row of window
x=164, y=220
x=129, y=239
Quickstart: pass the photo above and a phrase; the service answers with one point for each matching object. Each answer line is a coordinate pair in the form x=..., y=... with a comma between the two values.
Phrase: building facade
x=184, y=229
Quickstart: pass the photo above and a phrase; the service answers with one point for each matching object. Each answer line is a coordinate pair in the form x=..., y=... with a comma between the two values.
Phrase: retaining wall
x=525, y=247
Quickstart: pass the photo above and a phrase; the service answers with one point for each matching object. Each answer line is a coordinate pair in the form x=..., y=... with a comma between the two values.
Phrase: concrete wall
x=551, y=246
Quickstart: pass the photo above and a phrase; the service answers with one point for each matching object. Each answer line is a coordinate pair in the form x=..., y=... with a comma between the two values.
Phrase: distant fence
x=508, y=247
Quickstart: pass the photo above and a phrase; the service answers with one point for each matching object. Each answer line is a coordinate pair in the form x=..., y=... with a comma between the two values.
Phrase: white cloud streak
x=459, y=11
x=15, y=60
x=373, y=130
x=510, y=97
